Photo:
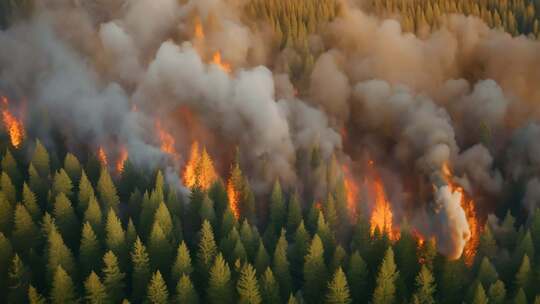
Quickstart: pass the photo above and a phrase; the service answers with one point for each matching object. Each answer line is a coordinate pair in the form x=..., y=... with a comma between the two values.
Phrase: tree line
x=73, y=232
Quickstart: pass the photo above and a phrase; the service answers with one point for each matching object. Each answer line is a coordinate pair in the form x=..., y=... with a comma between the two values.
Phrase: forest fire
x=233, y=195
x=122, y=158
x=199, y=31
x=382, y=216
x=468, y=205
x=216, y=59
x=199, y=170
x=166, y=140
x=102, y=157
x=351, y=190
x=14, y=126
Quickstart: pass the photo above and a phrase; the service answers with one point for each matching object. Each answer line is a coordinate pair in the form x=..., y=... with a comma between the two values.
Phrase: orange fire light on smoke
x=351, y=190
x=166, y=140
x=199, y=31
x=216, y=59
x=102, y=156
x=14, y=126
x=199, y=170
x=468, y=205
x=122, y=157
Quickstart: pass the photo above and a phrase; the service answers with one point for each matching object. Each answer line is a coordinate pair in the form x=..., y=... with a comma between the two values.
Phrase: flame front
x=233, y=196
x=102, y=156
x=216, y=59
x=166, y=140
x=199, y=170
x=351, y=190
x=382, y=217
x=122, y=157
x=468, y=205
x=14, y=126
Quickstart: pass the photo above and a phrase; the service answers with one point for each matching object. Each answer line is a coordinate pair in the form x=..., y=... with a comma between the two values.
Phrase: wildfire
x=199, y=31
x=123, y=156
x=352, y=192
x=382, y=217
x=199, y=170
x=166, y=140
x=14, y=126
x=469, y=207
x=223, y=65
x=233, y=196
x=102, y=156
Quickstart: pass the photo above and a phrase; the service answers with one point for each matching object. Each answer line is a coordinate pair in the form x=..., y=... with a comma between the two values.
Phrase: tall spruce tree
x=140, y=270
x=248, y=286
x=63, y=289
x=94, y=291
x=385, y=289
x=220, y=288
x=185, y=291
x=157, y=290
x=315, y=272
x=425, y=287
x=113, y=277
x=338, y=289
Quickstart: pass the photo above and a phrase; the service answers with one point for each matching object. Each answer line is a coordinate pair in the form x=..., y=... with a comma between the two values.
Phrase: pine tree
x=160, y=250
x=6, y=252
x=67, y=221
x=141, y=270
x=95, y=292
x=157, y=290
x=247, y=286
x=37, y=184
x=63, y=290
x=315, y=272
x=25, y=232
x=86, y=193
x=338, y=289
x=9, y=165
x=249, y=238
x=19, y=280
x=361, y=238
x=487, y=274
x=62, y=184
x=40, y=160
x=6, y=215
x=452, y=281
x=497, y=293
x=107, y=191
x=357, y=276
x=523, y=277
x=294, y=215
x=262, y=259
x=72, y=167
x=30, y=202
x=34, y=297
x=338, y=259
x=280, y=266
x=58, y=254
x=292, y=300
x=8, y=189
x=277, y=208
x=94, y=216
x=113, y=277
x=239, y=252
x=326, y=235
x=219, y=285
x=385, y=290
x=131, y=234
x=207, y=210
x=90, y=251
x=162, y=217
x=425, y=287
x=207, y=250
x=185, y=292
x=269, y=288
x=480, y=295
x=115, y=239
x=182, y=264
x=520, y=297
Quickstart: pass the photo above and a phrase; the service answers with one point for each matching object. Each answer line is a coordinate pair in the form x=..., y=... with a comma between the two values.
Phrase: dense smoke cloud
x=462, y=96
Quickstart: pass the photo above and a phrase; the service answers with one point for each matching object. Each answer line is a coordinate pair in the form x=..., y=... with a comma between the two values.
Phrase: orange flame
x=14, y=126
x=199, y=170
x=102, y=156
x=166, y=140
x=123, y=156
x=199, y=31
x=382, y=217
x=351, y=190
x=233, y=196
x=222, y=65
x=468, y=205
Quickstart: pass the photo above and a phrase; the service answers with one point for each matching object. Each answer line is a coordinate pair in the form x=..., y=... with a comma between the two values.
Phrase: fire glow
x=216, y=59
x=468, y=206
x=351, y=190
x=14, y=126
x=102, y=156
x=122, y=158
x=233, y=196
x=199, y=171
